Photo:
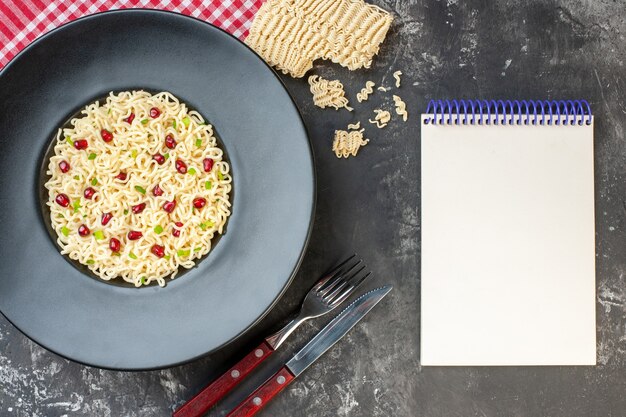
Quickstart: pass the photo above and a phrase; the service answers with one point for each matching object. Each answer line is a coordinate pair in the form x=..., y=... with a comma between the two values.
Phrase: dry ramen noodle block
x=328, y=93
x=291, y=34
x=347, y=144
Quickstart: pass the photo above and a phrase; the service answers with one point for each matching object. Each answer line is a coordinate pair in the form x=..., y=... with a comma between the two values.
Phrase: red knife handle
x=210, y=395
x=257, y=400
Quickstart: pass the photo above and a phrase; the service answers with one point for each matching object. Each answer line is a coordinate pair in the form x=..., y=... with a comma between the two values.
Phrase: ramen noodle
x=138, y=187
x=365, y=92
x=397, y=75
x=328, y=93
x=381, y=119
x=291, y=34
x=347, y=144
x=400, y=107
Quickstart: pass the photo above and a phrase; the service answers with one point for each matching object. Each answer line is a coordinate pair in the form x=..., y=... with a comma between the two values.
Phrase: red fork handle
x=210, y=395
x=257, y=400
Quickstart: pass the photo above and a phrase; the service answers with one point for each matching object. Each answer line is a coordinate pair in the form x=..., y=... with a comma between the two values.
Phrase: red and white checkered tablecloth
x=22, y=21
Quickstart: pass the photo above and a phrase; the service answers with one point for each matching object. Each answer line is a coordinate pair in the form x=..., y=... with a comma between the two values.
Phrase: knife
x=323, y=341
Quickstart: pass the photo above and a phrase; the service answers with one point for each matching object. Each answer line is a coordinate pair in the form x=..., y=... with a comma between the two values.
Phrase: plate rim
x=306, y=241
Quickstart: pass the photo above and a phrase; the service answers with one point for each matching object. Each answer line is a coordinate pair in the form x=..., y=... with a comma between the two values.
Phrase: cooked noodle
x=131, y=151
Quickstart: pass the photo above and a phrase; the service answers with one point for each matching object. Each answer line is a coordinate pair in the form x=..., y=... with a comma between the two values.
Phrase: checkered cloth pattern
x=22, y=21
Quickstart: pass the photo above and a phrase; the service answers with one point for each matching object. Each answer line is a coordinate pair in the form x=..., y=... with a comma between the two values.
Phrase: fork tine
x=329, y=297
x=338, y=279
x=346, y=292
x=346, y=282
x=333, y=272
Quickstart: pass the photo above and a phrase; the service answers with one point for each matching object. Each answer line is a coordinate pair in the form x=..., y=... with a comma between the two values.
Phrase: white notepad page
x=508, y=252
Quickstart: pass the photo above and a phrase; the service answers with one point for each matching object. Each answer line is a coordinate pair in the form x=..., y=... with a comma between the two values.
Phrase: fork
x=330, y=291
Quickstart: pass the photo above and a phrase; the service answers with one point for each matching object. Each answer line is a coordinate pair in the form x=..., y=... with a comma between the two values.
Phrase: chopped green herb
x=183, y=252
x=69, y=140
x=77, y=177
x=60, y=216
x=220, y=176
x=98, y=235
x=90, y=262
x=208, y=185
x=144, y=281
x=94, y=181
x=76, y=205
x=125, y=212
x=116, y=254
x=174, y=124
x=198, y=142
x=109, y=112
x=140, y=189
x=167, y=257
x=144, y=121
x=197, y=249
x=192, y=171
x=65, y=231
x=132, y=255
x=204, y=225
x=158, y=229
x=92, y=156
x=167, y=155
x=133, y=153
x=186, y=121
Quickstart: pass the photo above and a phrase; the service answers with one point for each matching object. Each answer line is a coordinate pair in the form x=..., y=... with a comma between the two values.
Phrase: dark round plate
x=112, y=326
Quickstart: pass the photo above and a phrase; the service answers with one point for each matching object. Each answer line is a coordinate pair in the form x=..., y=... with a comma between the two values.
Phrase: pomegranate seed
x=169, y=206
x=179, y=224
x=158, y=250
x=160, y=159
x=89, y=192
x=199, y=202
x=139, y=208
x=130, y=118
x=121, y=176
x=83, y=230
x=114, y=245
x=81, y=144
x=208, y=164
x=170, y=142
x=181, y=166
x=175, y=232
x=154, y=112
x=157, y=191
x=106, y=218
x=62, y=200
x=64, y=166
x=134, y=235
x=106, y=135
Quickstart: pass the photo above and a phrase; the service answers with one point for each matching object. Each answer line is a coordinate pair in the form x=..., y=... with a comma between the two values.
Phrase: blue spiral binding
x=509, y=112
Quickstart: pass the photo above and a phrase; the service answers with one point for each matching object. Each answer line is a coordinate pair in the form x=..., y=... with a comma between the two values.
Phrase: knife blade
x=324, y=340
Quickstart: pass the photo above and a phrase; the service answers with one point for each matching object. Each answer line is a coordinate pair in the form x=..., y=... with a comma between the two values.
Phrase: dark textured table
x=370, y=204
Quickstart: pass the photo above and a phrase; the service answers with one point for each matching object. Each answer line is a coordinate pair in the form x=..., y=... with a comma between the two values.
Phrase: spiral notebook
x=508, y=251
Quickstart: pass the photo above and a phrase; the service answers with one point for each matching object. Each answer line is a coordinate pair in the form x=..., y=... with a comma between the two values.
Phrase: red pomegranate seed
x=208, y=164
x=154, y=112
x=199, y=202
x=121, y=176
x=175, y=232
x=181, y=166
x=169, y=206
x=89, y=192
x=106, y=135
x=83, y=230
x=139, y=208
x=64, y=166
x=134, y=235
x=114, y=245
x=157, y=191
x=158, y=250
x=81, y=144
x=106, y=218
x=160, y=159
x=170, y=142
x=130, y=118
x=62, y=200
x=179, y=224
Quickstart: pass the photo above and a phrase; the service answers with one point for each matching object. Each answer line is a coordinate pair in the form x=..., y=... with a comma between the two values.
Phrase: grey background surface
x=370, y=204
